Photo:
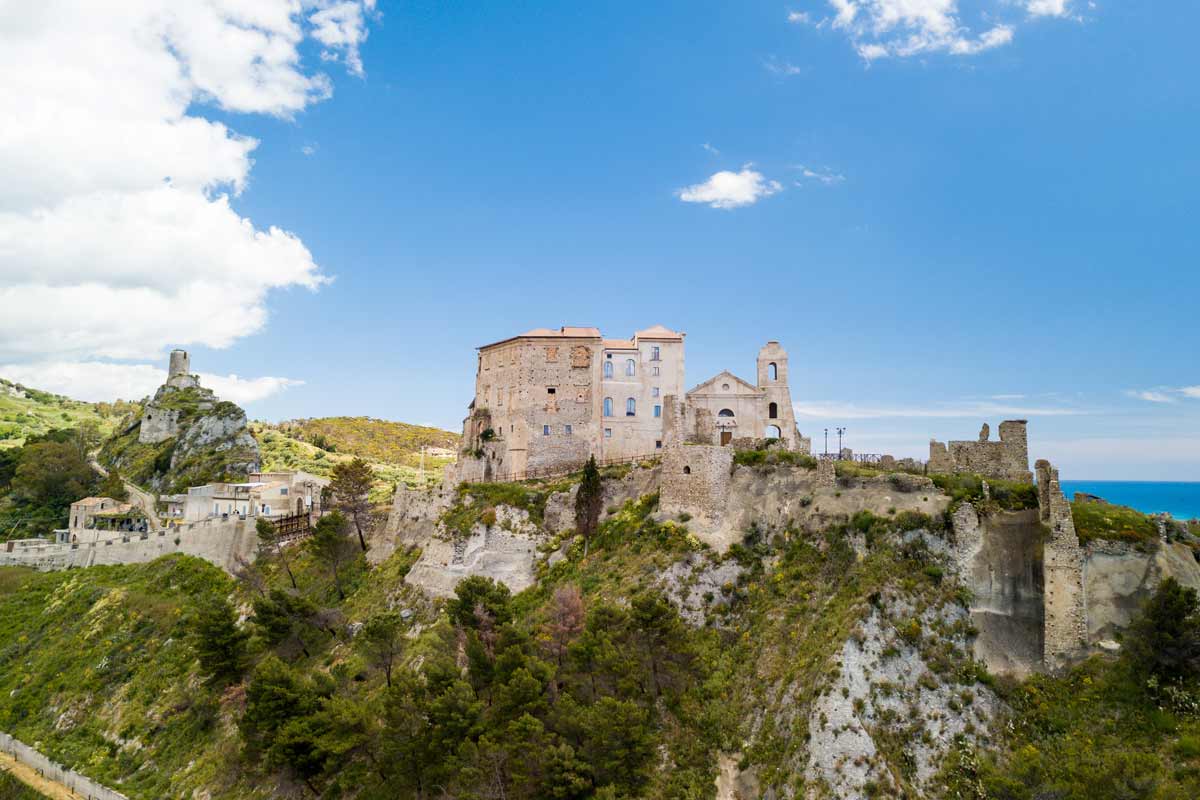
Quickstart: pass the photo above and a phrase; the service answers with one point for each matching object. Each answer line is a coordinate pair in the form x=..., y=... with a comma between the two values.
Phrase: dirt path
x=29, y=777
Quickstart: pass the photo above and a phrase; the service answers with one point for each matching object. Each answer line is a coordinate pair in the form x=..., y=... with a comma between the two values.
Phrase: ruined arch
x=773, y=432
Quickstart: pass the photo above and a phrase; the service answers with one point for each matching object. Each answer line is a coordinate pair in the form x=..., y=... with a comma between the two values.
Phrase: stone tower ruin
x=179, y=372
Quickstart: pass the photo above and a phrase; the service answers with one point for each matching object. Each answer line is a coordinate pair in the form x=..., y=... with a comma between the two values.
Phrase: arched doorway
x=773, y=432
x=726, y=428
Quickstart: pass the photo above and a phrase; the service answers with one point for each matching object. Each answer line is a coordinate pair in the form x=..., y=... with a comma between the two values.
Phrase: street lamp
x=827, y=441
x=840, y=432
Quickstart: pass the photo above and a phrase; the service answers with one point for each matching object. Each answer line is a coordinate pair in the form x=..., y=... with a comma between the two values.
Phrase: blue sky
x=939, y=238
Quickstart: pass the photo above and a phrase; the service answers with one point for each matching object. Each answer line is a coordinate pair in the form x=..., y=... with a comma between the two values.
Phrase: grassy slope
x=281, y=450
x=375, y=440
x=40, y=412
x=13, y=789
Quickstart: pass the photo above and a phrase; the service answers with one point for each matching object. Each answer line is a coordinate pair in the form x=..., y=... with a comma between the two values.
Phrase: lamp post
x=840, y=432
x=827, y=441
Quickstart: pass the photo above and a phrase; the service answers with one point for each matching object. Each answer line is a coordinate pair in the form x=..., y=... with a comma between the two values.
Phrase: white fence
x=84, y=787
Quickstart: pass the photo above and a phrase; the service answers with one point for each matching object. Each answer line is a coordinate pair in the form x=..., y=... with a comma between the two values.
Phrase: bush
x=1165, y=640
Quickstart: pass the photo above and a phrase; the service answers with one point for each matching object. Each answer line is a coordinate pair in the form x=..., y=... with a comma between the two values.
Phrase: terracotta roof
x=620, y=344
x=658, y=332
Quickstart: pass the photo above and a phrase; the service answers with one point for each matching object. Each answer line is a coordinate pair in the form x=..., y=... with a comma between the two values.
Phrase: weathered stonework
x=826, y=474
x=158, y=424
x=695, y=481
x=1007, y=459
x=1063, y=558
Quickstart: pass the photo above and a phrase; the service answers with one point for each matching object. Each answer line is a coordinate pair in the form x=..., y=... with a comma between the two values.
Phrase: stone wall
x=158, y=424
x=1065, y=612
x=224, y=543
x=695, y=480
x=1006, y=459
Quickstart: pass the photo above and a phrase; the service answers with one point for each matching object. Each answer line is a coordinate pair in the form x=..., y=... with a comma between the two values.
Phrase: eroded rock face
x=697, y=586
x=885, y=690
x=1119, y=578
x=504, y=552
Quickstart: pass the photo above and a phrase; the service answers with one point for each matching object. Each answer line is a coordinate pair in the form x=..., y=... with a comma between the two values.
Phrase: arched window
x=772, y=372
x=773, y=432
x=630, y=366
x=687, y=470
x=725, y=412
x=608, y=406
x=630, y=407
x=608, y=371
x=773, y=411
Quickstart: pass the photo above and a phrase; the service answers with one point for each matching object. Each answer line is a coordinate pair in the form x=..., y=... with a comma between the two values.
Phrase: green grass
x=1004, y=495
x=1113, y=523
x=40, y=412
x=13, y=789
x=528, y=496
x=754, y=458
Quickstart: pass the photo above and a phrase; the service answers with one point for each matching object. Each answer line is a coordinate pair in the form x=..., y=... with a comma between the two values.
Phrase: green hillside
x=377, y=440
x=26, y=412
x=317, y=445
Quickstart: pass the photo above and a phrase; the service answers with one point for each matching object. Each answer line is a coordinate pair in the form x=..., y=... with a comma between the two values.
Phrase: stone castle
x=159, y=421
x=547, y=400
x=1007, y=459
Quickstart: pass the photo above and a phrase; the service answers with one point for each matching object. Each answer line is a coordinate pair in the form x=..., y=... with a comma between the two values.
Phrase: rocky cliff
x=183, y=437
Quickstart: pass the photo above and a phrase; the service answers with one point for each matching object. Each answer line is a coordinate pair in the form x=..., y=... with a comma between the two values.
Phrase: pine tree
x=588, y=501
x=219, y=644
x=350, y=486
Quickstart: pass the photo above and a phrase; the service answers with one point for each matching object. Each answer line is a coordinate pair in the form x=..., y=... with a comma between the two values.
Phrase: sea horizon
x=1180, y=499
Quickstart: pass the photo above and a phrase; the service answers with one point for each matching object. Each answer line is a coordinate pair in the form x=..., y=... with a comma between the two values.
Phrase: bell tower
x=777, y=404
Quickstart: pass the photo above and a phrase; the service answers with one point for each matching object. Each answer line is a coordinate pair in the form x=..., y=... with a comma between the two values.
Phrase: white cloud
x=1191, y=391
x=821, y=175
x=782, y=68
x=96, y=381
x=1048, y=8
x=117, y=238
x=1152, y=396
x=901, y=28
x=708, y=148
x=845, y=411
x=730, y=190
x=798, y=17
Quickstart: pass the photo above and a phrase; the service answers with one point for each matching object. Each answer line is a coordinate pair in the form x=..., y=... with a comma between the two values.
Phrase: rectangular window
x=654, y=392
x=655, y=371
x=567, y=430
x=608, y=433
x=655, y=354
x=658, y=411
x=545, y=430
x=283, y=491
x=658, y=444
x=550, y=390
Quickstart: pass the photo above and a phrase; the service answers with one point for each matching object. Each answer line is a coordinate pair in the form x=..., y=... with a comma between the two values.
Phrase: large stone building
x=549, y=399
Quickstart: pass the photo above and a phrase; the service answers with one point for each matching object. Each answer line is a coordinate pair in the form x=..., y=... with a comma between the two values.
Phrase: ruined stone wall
x=1063, y=559
x=695, y=480
x=224, y=543
x=158, y=424
x=1006, y=459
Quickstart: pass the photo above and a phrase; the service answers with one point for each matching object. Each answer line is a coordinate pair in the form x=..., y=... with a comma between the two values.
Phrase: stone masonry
x=1007, y=459
x=695, y=480
x=160, y=423
x=1065, y=607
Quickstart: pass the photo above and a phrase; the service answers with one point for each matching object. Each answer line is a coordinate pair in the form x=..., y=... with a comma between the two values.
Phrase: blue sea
x=1180, y=500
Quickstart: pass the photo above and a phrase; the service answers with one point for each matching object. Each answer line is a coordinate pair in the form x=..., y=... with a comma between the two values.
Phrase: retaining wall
x=82, y=786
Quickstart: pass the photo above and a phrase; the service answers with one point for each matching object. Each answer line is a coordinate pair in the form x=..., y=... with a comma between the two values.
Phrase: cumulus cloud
x=1152, y=396
x=117, y=237
x=1166, y=394
x=901, y=28
x=96, y=381
x=1191, y=391
x=728, y=190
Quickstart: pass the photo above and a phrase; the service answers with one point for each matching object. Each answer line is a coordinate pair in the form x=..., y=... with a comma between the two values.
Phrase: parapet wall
x=224, y=543
x=1007, y=459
